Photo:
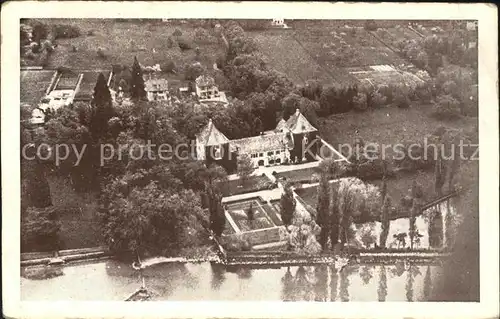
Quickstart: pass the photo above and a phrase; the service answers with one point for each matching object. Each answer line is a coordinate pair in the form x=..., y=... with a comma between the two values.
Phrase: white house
x=279, y=23
x=207, y=90
x=156, y=89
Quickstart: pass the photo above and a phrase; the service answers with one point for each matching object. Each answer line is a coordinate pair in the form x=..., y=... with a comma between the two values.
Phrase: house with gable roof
x=285, y=144
x=207, y=91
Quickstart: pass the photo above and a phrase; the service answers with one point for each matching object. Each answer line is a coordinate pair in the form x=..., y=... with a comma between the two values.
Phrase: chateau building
x=285, y=144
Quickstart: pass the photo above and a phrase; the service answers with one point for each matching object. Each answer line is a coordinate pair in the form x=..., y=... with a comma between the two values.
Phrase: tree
x=40, y=229
x=102, y=109
x=447, y=108
x=360, y=102
x=217, y=215
x=385, y=221
x=334, y=216
x=287, y=204
x=382, y=286
x=137, y=90
x=245, y=168
x=323, y=209
x=439, y=172
x=177, y=33
x=35, y=185
x=413, y=218
x=250, y=212
x=149, y=218
x=193, y=71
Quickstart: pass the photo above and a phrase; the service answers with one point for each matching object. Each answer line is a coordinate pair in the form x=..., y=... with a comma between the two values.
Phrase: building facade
x=156, y=89
x=283, y=145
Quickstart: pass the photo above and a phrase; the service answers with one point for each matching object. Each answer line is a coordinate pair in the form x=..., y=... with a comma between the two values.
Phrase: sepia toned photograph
x=277, y=159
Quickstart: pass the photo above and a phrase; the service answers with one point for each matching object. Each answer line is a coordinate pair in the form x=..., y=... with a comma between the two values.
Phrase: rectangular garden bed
x=238, y=212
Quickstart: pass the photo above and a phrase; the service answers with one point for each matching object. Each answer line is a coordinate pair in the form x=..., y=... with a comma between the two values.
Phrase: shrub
x=101, y=53
x=201, y=35
x=66, y=31
x=360, y=102
x=177, y=33
x=371, y=25
x=169, y=67
x=184, y=44
x=414, y=157
x=46, y=45
x=170, y=42
x=377, y=100
x=401, y=100
x=40, y=228
x=90, y=32
x=446, y=107
x=193, y=71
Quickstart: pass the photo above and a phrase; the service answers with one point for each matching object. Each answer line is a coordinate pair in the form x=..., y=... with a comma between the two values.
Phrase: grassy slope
x=115, y=38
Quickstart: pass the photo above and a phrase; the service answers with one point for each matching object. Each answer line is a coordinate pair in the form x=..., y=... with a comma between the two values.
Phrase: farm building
x=275, y=147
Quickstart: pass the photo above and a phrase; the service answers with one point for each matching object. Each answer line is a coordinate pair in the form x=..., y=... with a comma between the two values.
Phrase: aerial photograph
x=249, y=160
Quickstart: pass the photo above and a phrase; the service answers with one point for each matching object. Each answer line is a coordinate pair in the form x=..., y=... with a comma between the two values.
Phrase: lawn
x=253, y=184
x=121, y=41
x=33, y=85
x=386, y=127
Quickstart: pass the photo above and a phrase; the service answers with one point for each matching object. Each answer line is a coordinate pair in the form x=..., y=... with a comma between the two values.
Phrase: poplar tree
x=385, y=221
x=102, y=109
x=137, y=90
x=323, y=209
x=287, y=204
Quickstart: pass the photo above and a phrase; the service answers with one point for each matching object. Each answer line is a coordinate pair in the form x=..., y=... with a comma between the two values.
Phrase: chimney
x=297, y=112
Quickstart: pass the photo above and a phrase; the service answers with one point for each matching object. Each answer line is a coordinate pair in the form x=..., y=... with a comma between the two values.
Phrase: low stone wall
x=43, y=258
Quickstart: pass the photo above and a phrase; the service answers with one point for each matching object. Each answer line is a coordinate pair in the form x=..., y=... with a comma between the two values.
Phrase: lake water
x=113, y=280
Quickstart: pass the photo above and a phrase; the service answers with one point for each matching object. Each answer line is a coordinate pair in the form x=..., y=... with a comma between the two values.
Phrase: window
x=217, y=152
x=261, y=154
x=278, y=160
x=277, y=152
x=269, y=153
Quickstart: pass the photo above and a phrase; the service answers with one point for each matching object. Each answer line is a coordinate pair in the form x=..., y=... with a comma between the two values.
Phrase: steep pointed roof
x=210, y=135
x=298, y=124
x=281, y=125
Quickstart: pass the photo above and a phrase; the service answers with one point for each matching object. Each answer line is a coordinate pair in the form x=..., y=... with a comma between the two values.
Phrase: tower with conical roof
x=212, y=145
x=304, y=138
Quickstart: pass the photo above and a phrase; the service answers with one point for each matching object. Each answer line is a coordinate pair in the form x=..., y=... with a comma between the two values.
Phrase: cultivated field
x=335, y=53
x=33, y=85
x=346, y=47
